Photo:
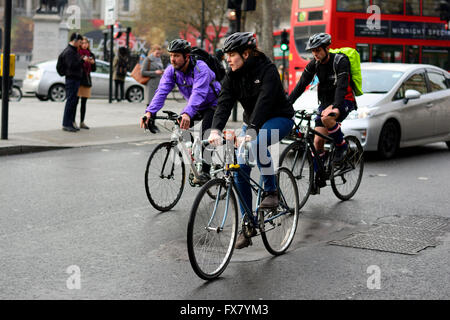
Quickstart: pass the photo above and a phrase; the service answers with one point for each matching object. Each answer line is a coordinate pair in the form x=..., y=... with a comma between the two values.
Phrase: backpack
x=355, y=67
x=122, y=65
x=61, y=65
x=212, y=62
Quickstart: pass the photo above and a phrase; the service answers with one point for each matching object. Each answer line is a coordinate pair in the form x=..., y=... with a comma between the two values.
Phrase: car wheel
x=135, y=94
x=41, y=97
x=389, y=140
x=57, y=93
x=448, y=144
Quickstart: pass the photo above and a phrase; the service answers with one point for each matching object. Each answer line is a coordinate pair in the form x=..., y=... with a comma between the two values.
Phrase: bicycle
x=213, y=223
x=346, y=175
x=166, y=164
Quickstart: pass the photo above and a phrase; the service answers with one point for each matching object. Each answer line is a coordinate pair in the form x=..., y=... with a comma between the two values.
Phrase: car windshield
x=379, y=81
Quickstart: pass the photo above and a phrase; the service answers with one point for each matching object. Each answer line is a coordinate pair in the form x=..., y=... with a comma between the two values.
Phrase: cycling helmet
x=179, y=45
x=318, y=40
x=239, y=41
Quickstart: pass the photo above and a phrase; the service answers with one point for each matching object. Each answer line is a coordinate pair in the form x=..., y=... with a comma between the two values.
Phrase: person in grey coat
x=153, y=68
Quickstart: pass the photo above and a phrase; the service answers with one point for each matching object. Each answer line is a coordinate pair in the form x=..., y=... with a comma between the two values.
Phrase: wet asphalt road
x=86, y=210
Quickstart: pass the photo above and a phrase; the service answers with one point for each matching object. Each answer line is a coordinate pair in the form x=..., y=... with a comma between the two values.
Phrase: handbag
x=136, y=74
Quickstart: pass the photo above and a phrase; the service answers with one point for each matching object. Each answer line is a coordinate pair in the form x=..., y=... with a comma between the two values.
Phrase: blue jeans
x=270, y=133
x=72, y=87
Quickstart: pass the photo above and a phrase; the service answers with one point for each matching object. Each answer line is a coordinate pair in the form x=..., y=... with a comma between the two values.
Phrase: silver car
x=42, y=80
x=403, y=105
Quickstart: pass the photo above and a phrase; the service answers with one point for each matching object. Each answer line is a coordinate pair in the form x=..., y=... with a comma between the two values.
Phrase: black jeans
x=72, y=86
x=119, y=85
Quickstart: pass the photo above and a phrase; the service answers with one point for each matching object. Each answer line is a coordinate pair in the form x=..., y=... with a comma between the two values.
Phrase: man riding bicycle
x=335, y=94
x=196, y=82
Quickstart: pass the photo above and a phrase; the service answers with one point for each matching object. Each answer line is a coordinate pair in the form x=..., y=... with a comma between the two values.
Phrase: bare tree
x=177, y=16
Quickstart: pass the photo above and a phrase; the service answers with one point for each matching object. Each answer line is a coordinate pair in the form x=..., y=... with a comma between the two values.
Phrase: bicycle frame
x=256, y=187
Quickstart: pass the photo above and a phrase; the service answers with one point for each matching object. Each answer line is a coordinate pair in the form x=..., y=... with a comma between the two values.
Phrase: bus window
x=437, y=56
x=412, y=54
x=430, y=8
x=304, y=4
x=387, y=53
x=413, y=7
x=352, y=5
x=390, y=7
x=364, y=52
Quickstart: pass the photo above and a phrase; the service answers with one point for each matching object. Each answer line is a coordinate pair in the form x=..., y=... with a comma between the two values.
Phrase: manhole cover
x=408, y=235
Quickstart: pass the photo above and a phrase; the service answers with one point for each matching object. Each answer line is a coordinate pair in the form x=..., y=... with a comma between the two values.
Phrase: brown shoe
x=242, y=241
x=84, y=126
x=270, y=201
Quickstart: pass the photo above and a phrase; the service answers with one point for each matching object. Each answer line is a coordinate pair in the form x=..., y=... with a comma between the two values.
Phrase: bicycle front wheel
x=278, y=226
x=164, y=176
x=297, y=159
x=212, y=229
x=346, y=176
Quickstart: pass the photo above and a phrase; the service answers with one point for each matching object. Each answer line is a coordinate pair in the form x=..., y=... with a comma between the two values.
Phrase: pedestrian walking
x=153, y=68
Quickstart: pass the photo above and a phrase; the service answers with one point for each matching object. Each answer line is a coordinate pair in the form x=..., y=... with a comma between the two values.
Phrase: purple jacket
x=195, y=86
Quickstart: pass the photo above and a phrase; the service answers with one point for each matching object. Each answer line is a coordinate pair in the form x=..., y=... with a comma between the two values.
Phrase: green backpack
x=355, y=67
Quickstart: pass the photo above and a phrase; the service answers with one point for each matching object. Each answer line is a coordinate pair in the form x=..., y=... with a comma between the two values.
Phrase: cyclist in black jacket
x=335, y=92
x=253, y=81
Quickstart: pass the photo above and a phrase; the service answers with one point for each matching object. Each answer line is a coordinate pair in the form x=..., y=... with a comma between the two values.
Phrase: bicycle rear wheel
x=292, y=158
x=164, y=176
x=278, y=226
x=346, y=176
x=212, y=230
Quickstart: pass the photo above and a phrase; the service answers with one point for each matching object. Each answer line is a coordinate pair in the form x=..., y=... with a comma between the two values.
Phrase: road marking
x=422, y=178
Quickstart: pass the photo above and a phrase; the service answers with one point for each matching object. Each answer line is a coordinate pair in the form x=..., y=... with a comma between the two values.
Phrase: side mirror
x=411, y=94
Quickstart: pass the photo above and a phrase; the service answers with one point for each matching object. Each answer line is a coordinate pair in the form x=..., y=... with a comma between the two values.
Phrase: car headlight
x=361, y=113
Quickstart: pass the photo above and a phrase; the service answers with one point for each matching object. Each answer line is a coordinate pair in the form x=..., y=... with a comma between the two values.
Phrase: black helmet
x=318, y=40
x=239, y=41
x=179, y=45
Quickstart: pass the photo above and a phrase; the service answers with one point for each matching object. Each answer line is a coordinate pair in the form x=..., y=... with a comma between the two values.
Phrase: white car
x=43, y=81
x=403, y=105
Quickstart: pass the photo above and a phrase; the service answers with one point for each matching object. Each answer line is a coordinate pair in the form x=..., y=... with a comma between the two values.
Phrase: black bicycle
x=344, y=176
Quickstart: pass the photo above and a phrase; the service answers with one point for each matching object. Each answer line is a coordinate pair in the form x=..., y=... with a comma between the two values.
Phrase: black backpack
x=61, y=65
x=212, y=62
x=122, y=67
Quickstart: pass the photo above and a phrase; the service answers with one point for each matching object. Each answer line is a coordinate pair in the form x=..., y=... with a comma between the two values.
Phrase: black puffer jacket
x=73, y=63
x=257, y=86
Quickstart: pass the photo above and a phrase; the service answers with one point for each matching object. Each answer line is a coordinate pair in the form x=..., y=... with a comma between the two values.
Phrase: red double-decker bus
x=409, y=31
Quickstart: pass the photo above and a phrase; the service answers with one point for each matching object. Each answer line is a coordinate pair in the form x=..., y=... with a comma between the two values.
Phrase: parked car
x=42, y=80
x=403, y=105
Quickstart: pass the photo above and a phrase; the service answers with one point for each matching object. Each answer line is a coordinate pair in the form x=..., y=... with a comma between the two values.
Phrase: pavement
x=35, y=125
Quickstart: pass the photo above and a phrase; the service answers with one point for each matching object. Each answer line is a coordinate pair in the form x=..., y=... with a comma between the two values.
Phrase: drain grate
x=408, y=235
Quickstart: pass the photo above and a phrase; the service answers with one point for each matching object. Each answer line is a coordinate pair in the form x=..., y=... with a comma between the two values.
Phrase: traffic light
x=284, y=44
x=444, y=10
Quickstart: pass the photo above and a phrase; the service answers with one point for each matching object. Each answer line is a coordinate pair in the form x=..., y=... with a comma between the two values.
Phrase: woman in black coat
x=268, y=116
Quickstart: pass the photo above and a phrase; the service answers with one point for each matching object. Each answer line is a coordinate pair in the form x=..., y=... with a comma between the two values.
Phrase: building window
x=430, y=8
x=387, y=53
x=352, y=5
x=126, y=5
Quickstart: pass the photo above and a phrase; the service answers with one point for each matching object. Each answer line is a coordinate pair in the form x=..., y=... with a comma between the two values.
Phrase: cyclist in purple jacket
x=196, y=82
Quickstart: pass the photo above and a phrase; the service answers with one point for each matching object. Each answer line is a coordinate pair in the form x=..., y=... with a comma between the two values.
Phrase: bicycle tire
x=277, y=234
x=304, y=181
x=153, y=177
x=201, y=241
x=16, y=94
x=353, y=159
